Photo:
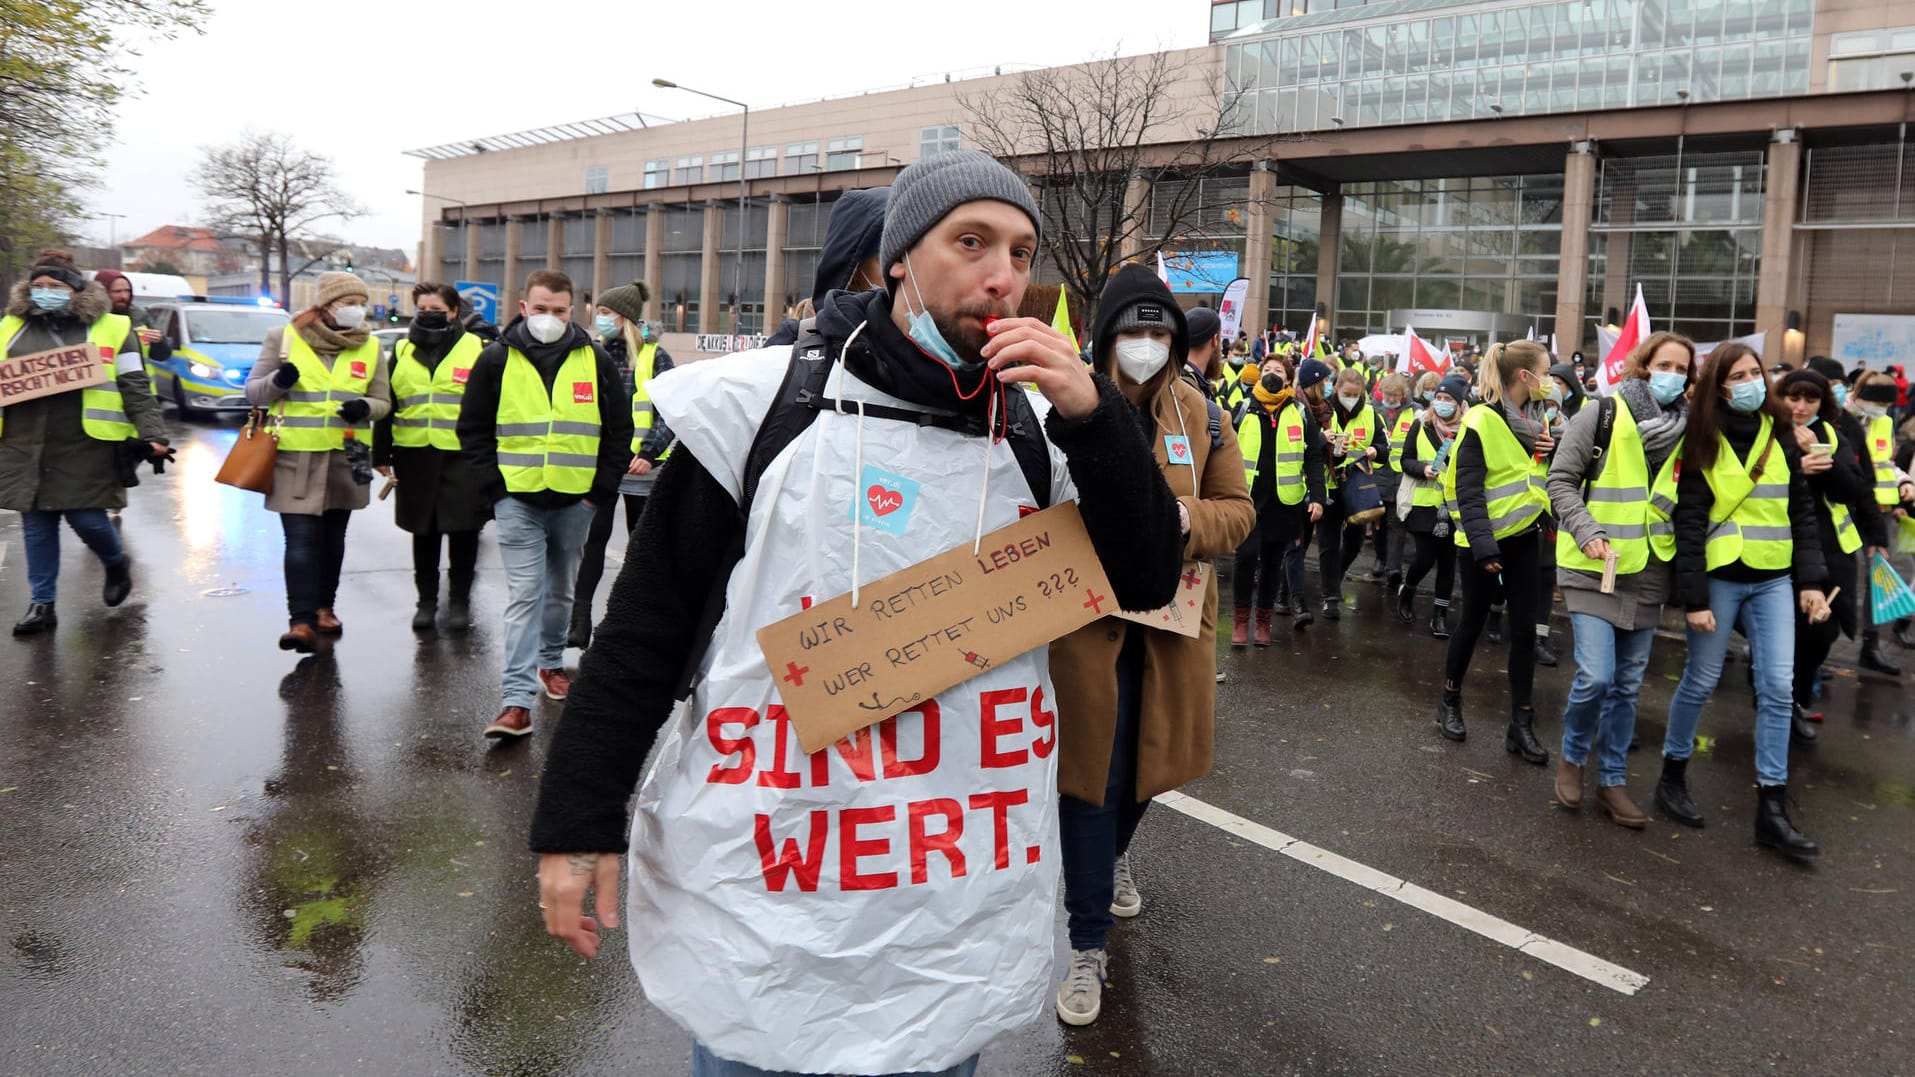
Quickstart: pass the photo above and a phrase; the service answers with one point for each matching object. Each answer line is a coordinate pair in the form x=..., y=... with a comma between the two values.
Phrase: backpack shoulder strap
x=1029, y=445
x=1215, y=413
x=1605, y=433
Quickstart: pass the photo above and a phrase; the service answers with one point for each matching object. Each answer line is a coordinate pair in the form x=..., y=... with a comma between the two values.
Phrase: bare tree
x=1083, y=134
x=266, y=188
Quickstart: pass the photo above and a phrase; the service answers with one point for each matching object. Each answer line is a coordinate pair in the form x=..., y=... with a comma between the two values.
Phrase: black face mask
x=1271, y=383
x=431, y=319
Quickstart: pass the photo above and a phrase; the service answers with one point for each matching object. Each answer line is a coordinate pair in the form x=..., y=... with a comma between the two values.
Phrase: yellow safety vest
x=1404, y=419
x=1287, y=425
x=1359, y=429
x=311, y=422
x=102, y=411
x=1757, y=532
x=549, y=442
x=1619, y=501
x=1427, y=494
x=1847, y=538
x=1881, y=450
x=642, y=409
x=1513, y=483
x=426, y=402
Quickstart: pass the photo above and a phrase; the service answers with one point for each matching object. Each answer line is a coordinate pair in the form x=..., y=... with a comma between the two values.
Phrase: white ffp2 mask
x=1140, y=358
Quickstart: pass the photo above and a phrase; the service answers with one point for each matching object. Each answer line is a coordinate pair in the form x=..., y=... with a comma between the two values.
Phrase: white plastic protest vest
x=887, y=904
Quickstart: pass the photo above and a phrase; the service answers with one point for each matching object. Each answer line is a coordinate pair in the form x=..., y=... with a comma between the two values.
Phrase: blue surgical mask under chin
x=51, y=299
x=924, y=329
x=1667, y=385
x=1747, y=396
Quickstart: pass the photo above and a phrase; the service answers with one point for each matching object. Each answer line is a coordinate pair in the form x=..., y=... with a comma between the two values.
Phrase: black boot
x=1545, y=654
x=1773, y=830
x=1393, y=581
x=1332, y=609
x=39, y=619
x=1493, y=628
x=425, y=614
x=1873, y=661
x=1905, y=632
x=119, y=582
x=1521, y=738
x=1405, y=606
x=459, y=606
x=1449, y=714
x=1672, y=793
x=1440, y=622
x=1801, y=730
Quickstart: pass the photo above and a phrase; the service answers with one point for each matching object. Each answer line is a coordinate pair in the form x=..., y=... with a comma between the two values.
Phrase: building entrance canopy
x=1474, y=326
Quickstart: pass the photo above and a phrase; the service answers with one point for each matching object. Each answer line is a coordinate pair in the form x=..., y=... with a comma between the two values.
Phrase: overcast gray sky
x=364, y=83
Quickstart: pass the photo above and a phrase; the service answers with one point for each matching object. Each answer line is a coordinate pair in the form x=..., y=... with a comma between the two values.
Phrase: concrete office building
x=1477, y=168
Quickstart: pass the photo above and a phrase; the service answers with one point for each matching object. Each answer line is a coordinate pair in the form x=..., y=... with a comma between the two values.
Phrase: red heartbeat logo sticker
x=883, y=502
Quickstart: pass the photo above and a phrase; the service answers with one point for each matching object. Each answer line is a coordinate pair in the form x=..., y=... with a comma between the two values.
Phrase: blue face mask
x=1445, y=409
x=1841, y=395
x=1747, y=396
x=606, y=325
x=51, y=298
x=924, y=330
x=1667, y=385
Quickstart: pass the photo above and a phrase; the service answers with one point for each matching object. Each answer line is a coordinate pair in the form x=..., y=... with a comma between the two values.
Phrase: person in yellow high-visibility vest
x=321, y=378
x=1599, y=488
x=619, y=323
x=1494, y=489
x=418, y=447
x=1746, y=552
x=1847, y=523
x=1873, y=397
x=1394, y=418
x=546, y=428
x=1424, y=457
x=59, y=454
x=1283, y=454
x=1357, y=439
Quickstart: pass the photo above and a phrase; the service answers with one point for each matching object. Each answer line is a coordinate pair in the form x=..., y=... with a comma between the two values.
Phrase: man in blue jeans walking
x=547, y=427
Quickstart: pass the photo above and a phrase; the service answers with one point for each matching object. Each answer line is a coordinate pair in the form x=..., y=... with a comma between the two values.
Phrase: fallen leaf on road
x=465, y=893
x=1528, y=975
x=1075, y=1060
x=1272, y=960
x=222, y=807
x=1389, y=927
x=1595, y=1022
x=9, y=789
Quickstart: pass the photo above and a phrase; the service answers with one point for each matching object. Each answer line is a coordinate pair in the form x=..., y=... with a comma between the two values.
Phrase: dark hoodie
x=851, y=239
x=1131, y=286
x=628, y=679
x=479, y=414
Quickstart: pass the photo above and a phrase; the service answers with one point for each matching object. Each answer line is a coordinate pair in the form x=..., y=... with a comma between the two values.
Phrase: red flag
x=1635, y=330
x=1418, y=357
x=1309, y=348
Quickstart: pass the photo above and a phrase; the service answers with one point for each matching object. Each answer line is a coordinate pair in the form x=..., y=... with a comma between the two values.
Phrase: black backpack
x=800, y=397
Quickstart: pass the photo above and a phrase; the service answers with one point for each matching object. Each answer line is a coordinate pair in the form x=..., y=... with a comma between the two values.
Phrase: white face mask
x=349, y=317
x=1140, y=358
x=1349, y=402
x=545, y=328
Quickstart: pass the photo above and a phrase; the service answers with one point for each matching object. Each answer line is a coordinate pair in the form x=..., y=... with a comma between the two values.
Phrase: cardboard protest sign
x=1185, y=614
x=934, y=625
x=61, y=370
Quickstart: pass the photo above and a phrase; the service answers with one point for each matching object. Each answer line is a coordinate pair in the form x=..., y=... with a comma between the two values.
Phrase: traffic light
x=394, y=316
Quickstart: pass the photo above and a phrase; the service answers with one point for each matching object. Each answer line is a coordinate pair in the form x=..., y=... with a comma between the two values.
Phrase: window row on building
x=842, y=153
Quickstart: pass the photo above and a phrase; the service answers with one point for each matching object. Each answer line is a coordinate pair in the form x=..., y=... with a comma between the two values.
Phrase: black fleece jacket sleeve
x=1316, y=457
x=1472, y=497
x=1128, y=508
x=1412, y=466
x=628, y=679
x=478, y=421
x=614, y=430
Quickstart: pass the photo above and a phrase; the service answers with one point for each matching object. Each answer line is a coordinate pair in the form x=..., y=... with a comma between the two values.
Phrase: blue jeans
x=706, y=1064
x=1091, y=836
x=315, y=550
x=1602, y=703
x=1767, y=610
x=540, y=550
x=42, y=531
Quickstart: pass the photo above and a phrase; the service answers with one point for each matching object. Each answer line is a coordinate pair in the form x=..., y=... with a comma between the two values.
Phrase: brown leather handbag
x=249, y=466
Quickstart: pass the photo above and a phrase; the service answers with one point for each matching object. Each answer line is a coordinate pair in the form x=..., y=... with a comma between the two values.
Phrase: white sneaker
x=1081, y=998
x=1125, y=901
x=1220, y=676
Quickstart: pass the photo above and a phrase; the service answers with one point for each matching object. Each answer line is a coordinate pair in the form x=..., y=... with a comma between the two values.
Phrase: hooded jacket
x=479, y=414
x=1133, y=285
x=47, y=459
x=851, y=239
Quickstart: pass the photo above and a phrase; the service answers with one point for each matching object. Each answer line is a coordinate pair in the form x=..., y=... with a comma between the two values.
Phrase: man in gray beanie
x=907, y=435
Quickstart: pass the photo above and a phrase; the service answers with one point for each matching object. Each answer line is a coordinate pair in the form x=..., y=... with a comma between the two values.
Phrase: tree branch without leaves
x=264, y=186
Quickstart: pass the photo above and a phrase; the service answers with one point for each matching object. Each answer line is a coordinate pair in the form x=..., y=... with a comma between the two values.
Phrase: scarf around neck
x=326, y=340
x=1658, y=426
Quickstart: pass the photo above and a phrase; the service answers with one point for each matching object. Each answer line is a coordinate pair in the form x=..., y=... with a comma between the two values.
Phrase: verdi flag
x=1635, y=330
x=1418, y=357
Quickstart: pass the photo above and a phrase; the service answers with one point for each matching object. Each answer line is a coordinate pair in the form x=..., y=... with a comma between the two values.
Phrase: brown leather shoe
x=1615, y=803
x=329, y=625
x=1569, y=784
x=511, y=722
x=557, y=684
x=299, y=638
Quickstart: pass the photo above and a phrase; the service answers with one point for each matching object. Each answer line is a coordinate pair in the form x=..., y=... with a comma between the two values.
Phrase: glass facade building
x=1428, y=61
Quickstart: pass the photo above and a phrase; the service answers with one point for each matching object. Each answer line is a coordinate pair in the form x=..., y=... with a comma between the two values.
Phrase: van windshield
x=234, y=326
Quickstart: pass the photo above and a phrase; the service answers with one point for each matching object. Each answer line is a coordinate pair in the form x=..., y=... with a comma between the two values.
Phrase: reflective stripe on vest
x=549, y=442
x=1398, y=434
x=426, y=403
x=1361, y=424
x=1619, y=503
x=1513, y=486
x=1287, y=456
x=1847, y=538
x=1881, y=450
x=102, y=410
x=311, y=421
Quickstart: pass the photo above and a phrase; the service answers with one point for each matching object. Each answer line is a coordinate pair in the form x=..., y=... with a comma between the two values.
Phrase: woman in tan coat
x=322, y=382
x=1135, y=704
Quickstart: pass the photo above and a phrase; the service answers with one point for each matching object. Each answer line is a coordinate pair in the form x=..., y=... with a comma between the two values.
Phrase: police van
x=215, y=340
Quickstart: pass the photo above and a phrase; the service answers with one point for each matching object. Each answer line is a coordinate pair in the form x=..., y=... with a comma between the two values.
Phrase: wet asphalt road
x=219, y=859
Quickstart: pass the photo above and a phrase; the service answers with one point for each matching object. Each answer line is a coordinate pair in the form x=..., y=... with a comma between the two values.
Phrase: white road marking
x=1563, y=956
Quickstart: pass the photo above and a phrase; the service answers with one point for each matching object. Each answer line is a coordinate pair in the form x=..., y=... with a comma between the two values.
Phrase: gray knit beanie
x=1144, y=315
x=923, y=193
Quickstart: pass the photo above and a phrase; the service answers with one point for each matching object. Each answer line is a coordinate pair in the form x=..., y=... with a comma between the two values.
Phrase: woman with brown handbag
x=323, y=378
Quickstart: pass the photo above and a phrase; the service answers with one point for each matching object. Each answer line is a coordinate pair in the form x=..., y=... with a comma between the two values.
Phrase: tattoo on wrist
x=582, y=864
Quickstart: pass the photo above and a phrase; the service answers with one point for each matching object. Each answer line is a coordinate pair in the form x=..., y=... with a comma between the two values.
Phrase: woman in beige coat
x=323, y=384
x=1135, y=705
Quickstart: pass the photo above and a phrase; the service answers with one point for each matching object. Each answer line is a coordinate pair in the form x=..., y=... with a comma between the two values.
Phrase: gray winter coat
x=47, y=460
x=1639, y=597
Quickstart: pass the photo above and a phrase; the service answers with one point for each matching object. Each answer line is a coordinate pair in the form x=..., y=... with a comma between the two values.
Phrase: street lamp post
x=744, y=151
x=463, y=213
